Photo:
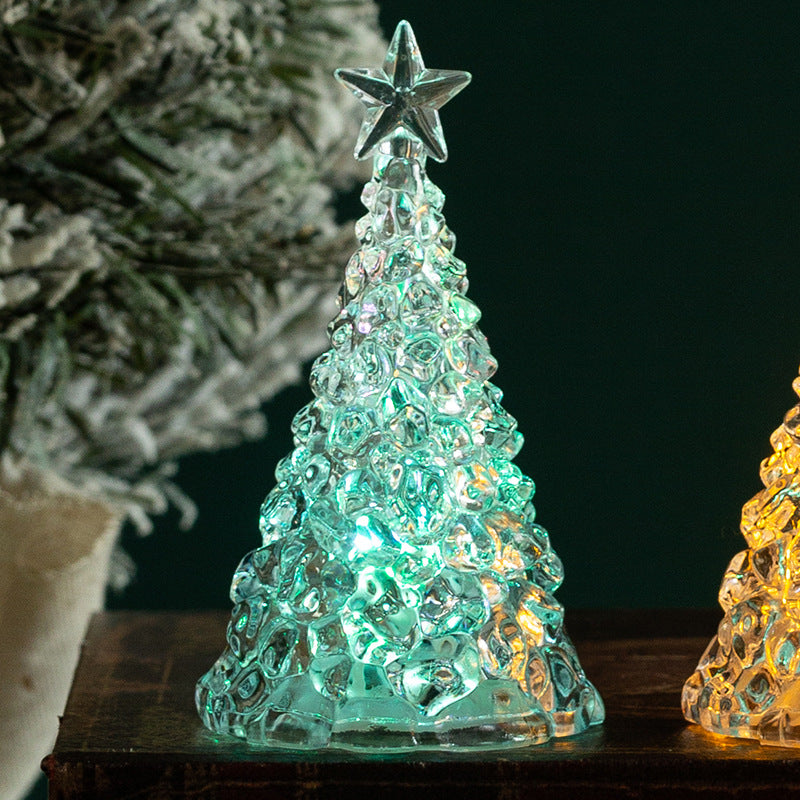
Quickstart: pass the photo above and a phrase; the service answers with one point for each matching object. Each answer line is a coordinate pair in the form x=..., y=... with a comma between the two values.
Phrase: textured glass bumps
x=402, y=595
x=748, y=681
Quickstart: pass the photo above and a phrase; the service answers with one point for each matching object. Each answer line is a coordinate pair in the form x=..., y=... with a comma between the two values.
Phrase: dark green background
x=624, y=183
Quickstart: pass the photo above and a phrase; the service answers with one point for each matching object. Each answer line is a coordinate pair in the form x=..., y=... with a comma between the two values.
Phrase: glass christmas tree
x=748, y=681
x=402, y=597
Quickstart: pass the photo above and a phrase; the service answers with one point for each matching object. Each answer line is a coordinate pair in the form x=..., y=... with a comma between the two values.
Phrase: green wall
x=624, y=183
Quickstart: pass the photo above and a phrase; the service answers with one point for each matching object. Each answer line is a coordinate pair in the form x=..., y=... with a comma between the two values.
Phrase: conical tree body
x=748, y=681
x=402, y=596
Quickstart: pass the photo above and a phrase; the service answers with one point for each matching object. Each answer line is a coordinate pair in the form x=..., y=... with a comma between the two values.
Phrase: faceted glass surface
x=747, y=683
x=402, y=594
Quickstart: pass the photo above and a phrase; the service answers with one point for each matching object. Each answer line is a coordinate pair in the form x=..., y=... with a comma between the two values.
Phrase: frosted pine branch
x=168, y=250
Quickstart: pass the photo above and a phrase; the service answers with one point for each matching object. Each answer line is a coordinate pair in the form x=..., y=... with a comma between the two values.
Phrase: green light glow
x=402, y=595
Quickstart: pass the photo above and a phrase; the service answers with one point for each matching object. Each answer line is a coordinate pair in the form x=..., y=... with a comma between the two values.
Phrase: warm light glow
x=748, y=681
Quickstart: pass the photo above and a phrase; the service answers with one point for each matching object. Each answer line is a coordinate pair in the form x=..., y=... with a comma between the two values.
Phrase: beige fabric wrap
x=55, y=549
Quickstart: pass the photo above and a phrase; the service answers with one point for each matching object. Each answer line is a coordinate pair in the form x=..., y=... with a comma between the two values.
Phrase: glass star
x=403, y=94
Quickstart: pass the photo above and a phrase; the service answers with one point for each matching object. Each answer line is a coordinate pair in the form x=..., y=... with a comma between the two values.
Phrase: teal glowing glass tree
x=402, y=597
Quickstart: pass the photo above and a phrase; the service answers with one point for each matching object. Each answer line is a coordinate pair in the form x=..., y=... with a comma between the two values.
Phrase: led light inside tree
x=403, y=593
x=747, y=683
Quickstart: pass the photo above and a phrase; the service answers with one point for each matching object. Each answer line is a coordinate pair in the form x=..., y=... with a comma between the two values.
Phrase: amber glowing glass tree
x=748, y=681
x=402, y=595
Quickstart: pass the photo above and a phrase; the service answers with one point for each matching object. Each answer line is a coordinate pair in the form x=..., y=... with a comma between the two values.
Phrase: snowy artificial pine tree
x=747, y=683
x=402, y=596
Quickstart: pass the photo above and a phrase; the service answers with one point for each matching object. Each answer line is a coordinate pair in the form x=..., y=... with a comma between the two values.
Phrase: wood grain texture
x=130, y=730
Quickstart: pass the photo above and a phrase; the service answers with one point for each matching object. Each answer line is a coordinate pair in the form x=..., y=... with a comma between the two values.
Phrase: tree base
x=710, y=706
x=495, y=715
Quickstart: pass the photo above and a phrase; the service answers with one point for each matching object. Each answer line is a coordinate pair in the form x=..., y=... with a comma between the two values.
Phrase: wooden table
x=130, y=729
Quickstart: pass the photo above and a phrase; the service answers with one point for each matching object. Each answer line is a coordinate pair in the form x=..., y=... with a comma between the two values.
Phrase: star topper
x=403, y=94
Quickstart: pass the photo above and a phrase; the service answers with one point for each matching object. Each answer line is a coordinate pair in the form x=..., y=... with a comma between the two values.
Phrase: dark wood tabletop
x=130, y=729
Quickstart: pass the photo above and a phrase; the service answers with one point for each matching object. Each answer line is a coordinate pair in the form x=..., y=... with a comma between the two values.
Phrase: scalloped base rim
x=395, y=726
x=777, y=726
